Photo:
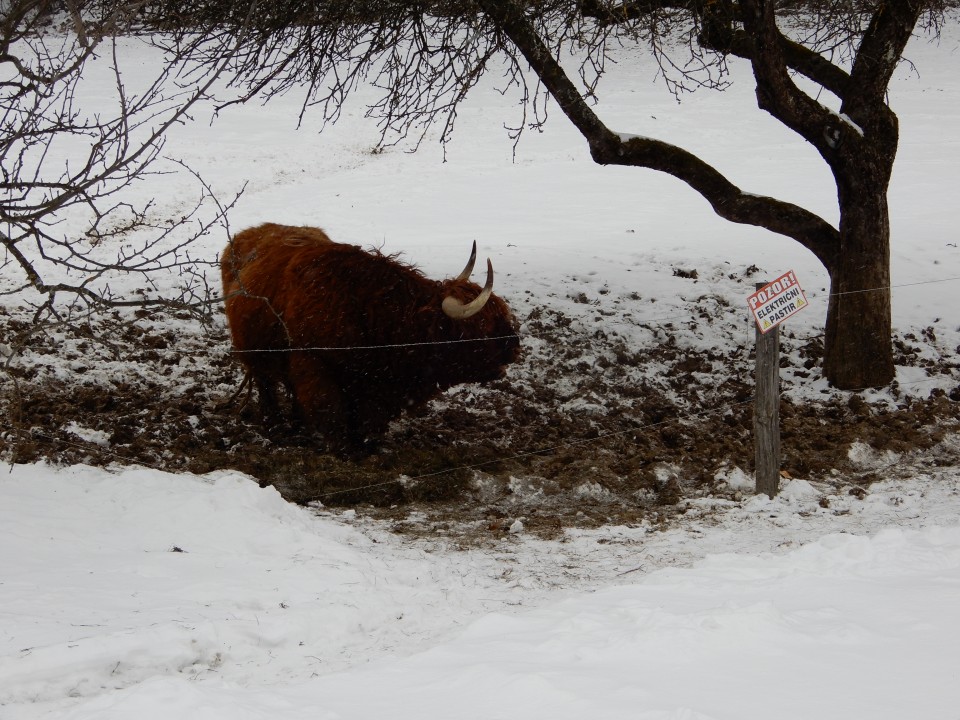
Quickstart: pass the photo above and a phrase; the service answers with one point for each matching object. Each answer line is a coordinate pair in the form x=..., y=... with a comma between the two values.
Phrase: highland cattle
x=356, y=337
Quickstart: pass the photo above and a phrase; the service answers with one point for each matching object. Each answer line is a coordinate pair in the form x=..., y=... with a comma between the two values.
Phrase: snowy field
x=134, y=593
x=142, y=594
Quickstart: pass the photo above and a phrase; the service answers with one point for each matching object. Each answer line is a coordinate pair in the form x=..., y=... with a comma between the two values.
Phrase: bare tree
x=66, y=163
x=426, y=56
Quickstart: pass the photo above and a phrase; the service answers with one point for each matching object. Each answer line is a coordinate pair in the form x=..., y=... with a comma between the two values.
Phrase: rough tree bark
x=860, y=146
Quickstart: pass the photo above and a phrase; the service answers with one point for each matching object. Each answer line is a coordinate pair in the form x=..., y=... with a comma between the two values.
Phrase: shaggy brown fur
x=340, y=327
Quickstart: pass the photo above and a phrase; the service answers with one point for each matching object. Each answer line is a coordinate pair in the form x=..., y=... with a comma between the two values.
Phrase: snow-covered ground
x=137, y=593
x=132, y=592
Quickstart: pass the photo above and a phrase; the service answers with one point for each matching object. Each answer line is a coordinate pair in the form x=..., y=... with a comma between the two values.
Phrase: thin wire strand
x=650, y=323
x=375, y=347
x=657, y=321
x=572, y=443
x=530, y=453
x=526, y=454
x=470, y=466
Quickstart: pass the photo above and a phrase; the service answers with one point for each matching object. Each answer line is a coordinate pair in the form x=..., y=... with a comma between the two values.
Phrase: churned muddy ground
x=585, y=430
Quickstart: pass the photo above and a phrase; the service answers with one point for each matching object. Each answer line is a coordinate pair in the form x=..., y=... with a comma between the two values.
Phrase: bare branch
x=61, y=158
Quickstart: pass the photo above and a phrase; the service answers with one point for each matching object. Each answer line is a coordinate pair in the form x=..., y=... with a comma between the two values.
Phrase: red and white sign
x=776, y=301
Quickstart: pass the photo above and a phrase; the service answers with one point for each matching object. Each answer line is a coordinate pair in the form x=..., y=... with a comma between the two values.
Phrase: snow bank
x=143, y=594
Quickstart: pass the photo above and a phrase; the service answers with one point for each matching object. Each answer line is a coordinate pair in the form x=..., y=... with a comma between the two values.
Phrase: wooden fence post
x=766, y=411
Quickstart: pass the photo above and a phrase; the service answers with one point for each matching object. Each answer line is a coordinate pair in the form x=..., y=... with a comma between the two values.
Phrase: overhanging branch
x=727, y=200
x=609, y=148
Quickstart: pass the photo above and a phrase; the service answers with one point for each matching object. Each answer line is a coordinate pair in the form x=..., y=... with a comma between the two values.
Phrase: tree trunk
x=859, y=144
x=858, y=348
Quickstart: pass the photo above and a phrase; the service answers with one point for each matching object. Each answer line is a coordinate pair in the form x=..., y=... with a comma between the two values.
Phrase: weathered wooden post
x=766, y=411
x=771, y=304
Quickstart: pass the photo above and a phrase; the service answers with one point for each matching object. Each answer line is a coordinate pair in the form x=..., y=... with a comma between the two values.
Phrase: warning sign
x=776, y=301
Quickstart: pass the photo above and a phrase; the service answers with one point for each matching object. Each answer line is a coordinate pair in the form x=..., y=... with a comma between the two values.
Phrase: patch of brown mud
x=584, y=431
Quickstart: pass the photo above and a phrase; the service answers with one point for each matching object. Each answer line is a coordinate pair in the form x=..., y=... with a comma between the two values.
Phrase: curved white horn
x=457, y=310
x=465, y=275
